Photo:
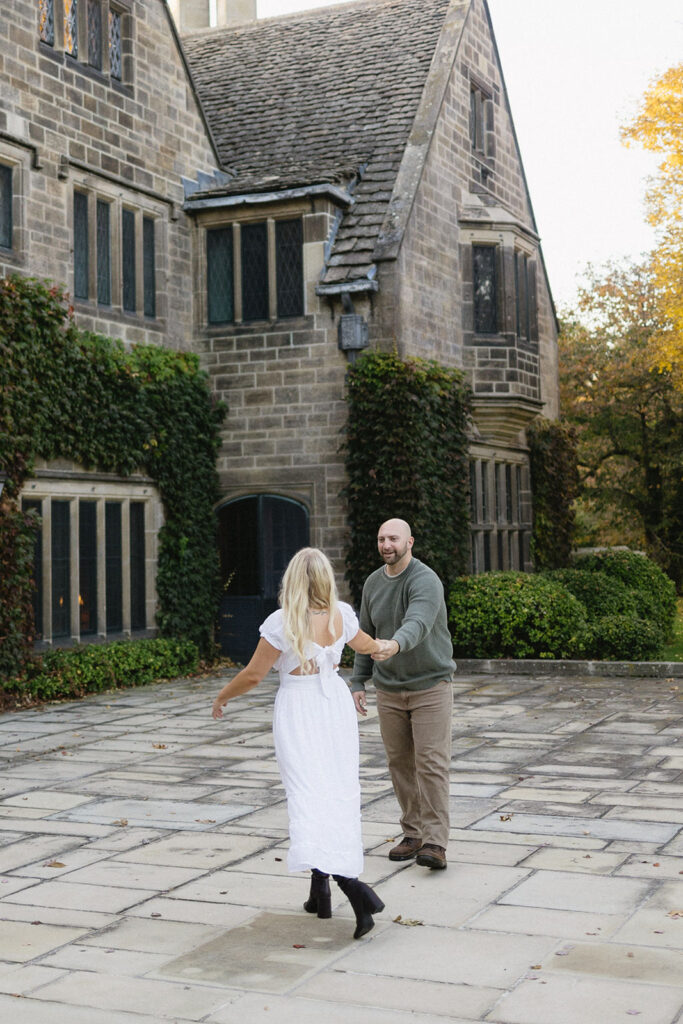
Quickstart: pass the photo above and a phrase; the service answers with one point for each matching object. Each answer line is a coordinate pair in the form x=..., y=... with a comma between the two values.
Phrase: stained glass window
x=71, y=27
x=137, y=565
x=113, y=566
x=95, y=33
x=254, y=271
x=115, y=60
x=289, y=265
x=5, y=206
x=219, y=285
x=87, y=566
x=128, y=260
x=46, y=21
x=103, y=253
x=148, y=266
x=484, y=280
x=61, y=566
x=81, y=262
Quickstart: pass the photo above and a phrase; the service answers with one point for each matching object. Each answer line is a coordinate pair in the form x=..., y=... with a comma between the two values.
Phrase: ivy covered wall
x=66, y=393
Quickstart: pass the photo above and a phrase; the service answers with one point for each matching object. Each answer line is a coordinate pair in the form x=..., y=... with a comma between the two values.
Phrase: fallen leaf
x=155, y=915
x=675, y=913
x=120, y=821
x=630, y=955
x=535, y=967
x=634, y=1013
x=204, y=821
x=298, y=945
x=655, y=865
x=506, y=817
x=55, y=864
x=408, y=922
x=159, y=746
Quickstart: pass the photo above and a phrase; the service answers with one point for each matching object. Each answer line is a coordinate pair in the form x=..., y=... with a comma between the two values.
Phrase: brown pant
x=416, y=731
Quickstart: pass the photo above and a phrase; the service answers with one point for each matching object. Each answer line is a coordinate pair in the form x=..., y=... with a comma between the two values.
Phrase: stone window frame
x=510, y=245
x=235, y=222
x=500, y=511
x=101, y=190
x=18, y=160
x=75, y=486
x=482, y=125
x=82, y=59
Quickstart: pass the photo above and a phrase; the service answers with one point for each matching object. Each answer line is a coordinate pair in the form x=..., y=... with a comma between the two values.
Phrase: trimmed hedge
x=653, y=592
x=76, y=671
x=600, y=593
x=514, y=615
x=623, y=638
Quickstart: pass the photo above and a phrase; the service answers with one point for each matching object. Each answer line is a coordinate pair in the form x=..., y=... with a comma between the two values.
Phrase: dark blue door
x=257, y=537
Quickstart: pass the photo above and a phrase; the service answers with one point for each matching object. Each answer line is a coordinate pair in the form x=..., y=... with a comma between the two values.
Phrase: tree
x=627, y=414
x=658, y=127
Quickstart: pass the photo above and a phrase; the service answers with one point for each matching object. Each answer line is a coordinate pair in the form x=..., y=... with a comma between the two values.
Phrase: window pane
x=484, y=269
x=518, y=481
x=95, y=33
x=508, y=493
x=473, y=492
x=81, y=263
x=71, y=27
x=128, y=259
x=148, y=267
x=137, y=565
x=27, y=505
x=115, y=62
x=522, y=294
x=114, y=568
x=5, y=206
x=87, y=566
x=219, y=286
x=501, y=563
x=289, y=240
x=103, y=253
x=487, y=552
x=61, y=568
x=46, y=21
x=485, y=506
x=254, y=272
x=520, y=540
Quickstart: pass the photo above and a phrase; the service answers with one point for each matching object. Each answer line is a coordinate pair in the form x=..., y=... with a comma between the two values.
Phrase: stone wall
x=66, y=125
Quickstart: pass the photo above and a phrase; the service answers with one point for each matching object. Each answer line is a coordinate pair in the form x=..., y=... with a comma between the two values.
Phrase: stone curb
x=543, y=667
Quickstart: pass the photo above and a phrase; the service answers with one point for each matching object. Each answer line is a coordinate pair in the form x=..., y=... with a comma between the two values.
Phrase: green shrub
x=654, y=593
x=77, y=671
x=598, y=592
x=623, y=638
x=514, y=615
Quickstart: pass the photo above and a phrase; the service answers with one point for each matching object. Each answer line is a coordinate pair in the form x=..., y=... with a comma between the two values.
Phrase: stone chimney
x=193, y=14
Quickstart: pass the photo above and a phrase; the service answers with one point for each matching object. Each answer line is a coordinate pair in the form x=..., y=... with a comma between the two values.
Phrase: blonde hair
x=308, y=582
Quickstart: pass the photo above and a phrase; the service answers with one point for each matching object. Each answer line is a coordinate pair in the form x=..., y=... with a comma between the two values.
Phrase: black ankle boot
x=320, y=899
x=364, y=901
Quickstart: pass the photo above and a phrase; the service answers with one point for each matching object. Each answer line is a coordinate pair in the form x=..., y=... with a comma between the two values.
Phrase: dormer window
x=482, y=137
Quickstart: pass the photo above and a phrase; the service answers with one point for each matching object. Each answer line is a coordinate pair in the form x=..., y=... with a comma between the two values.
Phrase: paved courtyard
x=143, y=875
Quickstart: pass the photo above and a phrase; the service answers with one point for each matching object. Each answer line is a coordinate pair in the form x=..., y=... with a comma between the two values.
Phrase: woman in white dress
x=316, y=730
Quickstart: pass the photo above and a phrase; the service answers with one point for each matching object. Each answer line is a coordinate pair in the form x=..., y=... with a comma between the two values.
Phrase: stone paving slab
x=143, y=872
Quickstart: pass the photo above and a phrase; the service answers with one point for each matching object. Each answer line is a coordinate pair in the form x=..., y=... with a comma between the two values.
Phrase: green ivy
x=406, y=451
x=554, y=485
x=68, y=393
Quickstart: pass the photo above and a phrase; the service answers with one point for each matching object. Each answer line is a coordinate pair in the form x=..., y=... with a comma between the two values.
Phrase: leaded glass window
x=522, y=294
x=113, y=566
x=518, y=481
x=254, y=271
x=46, y=21
x=28, y=505
x=485, y=508
x=5, y=206
x=289, y=266
x=95, y=33
x=71, y=27
x=219, y=286
x=81, y=260
x=148, y=267
x=137, y=565
x=103, y=253
x=115, y=60
x=87, y=566
x=61, y=566
x=128, y=260
x=484, y=282
x=508, y=493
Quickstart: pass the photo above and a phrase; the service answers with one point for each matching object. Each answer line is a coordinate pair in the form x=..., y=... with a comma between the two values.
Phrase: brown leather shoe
x=406, y=849
x=431, y=856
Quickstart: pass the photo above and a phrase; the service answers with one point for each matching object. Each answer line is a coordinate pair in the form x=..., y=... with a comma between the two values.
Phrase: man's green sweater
x=410, y=609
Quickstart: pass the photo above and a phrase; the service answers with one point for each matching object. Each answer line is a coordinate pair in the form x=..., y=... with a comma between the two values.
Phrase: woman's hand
x=217, y=709
x=386, y=649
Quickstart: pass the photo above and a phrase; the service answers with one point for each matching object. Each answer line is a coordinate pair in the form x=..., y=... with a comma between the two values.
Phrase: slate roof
x=327, y=95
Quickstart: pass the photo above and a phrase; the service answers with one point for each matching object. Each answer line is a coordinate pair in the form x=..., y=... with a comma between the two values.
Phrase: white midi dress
x=315, y=728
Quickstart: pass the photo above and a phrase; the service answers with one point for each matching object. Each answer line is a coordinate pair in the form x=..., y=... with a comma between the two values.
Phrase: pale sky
x=574, y=72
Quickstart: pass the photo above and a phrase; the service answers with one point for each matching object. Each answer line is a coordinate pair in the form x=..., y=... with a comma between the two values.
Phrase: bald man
x=404, y=600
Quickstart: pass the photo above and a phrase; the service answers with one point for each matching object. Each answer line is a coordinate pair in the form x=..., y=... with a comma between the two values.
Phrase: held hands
x=217, y=708
x=386, y=649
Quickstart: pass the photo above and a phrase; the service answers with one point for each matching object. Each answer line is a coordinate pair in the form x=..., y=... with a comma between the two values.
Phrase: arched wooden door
x=257, y=537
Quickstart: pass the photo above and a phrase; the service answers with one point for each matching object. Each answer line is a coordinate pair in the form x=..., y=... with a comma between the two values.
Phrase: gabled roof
x=324, y=96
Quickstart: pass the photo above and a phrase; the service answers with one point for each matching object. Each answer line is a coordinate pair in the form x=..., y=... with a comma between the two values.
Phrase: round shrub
x=653, y=591
x=623, y=638
x=598, y=592
x=514, y=615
